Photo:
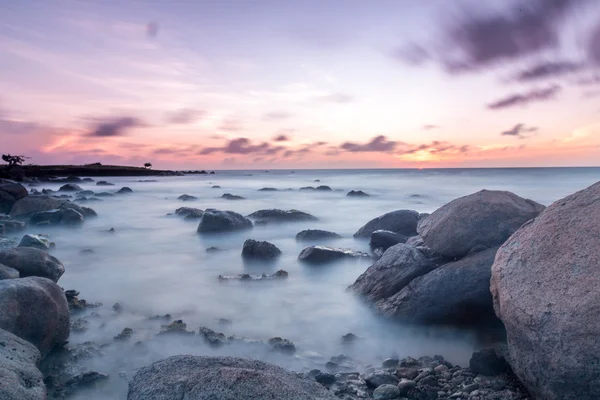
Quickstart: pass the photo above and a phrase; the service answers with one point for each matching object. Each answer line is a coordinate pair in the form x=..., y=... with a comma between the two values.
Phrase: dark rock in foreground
x=323, y=254
x=488, y=362
x=30, y=261
x=221, y=378
x=545, y=282
x=315, y=234
x=9, y=225
x=213, y=221
x=276, y=215
x=9, y=194
x=260, y=250
x=36, y=241
x=383, y=240
x=35, y=309
x=20, y=378
x=480, y=220
x=229, y=196
x=403, y=222
x=8, y=272
x=187, y=197
x=357, y=193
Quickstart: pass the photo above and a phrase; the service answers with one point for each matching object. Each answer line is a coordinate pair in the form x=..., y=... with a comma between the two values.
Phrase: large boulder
x=324, y=254
x=480, y=220
x=37, y=241
x=30, y=261
x=403, y=222
x=10, y=225
x=9, y=194
x=70, y=187
x=260, y=250
x=62, y=216
x=457, y=293
x=20, y=379
x=276, y=215
x=8, y=272
x=398, y=266
x=6, y=202
x=308, y=235
x=221, y=378
x=382, y=239
x=544, y=284
x=35, y=309
x=32, y=204
x=222, y=221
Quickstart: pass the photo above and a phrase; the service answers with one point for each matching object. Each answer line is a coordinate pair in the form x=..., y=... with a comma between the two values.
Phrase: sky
x=239, y=84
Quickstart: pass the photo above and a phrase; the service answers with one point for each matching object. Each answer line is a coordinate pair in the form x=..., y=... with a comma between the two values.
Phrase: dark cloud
x=231, y=125
x=519, y=130
x=277, y=115
x=377, y=144
x=525, y=98
x=548, y=69
x=184, y=116
x=114, y=127
x=301, y=151
x=281, y=138
x=339, y=98
x=428, y=127
x=242, y=146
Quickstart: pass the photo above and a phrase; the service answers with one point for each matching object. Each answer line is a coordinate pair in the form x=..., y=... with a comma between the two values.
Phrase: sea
x=154, y=263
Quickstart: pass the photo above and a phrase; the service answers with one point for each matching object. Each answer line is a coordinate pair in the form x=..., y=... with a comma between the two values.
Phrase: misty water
x=156, y=264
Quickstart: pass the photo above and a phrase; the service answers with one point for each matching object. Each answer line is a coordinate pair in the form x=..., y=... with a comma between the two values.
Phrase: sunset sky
x=233, y=84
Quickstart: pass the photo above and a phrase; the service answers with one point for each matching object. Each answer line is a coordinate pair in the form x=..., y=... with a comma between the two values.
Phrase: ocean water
x=156, y=264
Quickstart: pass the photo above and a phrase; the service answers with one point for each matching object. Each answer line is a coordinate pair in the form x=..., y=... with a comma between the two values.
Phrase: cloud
x=17, y=127
x=594, y=45
x=114, y=127
x=231, y=125
x=281, y=138
x=301, y=151
x=152, y=29
x=548, y=69
x=428, y=127
x=435, y=147
x=589, y=81
x=242, y=146
x=277, y=115
x=339, y=98
x=519, y=130
x=184, y=116
x=377, y=144
x=525, y=98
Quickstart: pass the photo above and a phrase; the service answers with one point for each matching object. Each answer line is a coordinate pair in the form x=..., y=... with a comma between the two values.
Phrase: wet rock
x=35, y=309
x=160, y=317
x=9, y=225
x=20, y=378
x=125, y=334
x=8, y=273
x=213, y=221
x=212, y=249
x=187, y=197
x=478, y=221
x=224, y=321
x=390, y=363
x=86, y=193
x=415, y=241
x=376, y=379
x=30, y=261
x=260, y=250
x=61, y=216
x=84, y=381
x=9, y=194
x=189, y=213
x=70, y=187
x=406, y=385
x=276, y=215
x=229, y=196
x=267, y=189
x=79, y=325
x=386, y=392
x=216, y=187
x=175, y=327
x=281, y=274
x=323, y=188
x=307, y=189
x=315, y=234
x=212, y=338
x=32, y=204
x=125, y=190
x=104, y=183
x=357, y=193
x=281, y=345
x=87, y=180
x=383, y=240
x=349, y=338
x=488, y=362
x=322, y=254
x=325, y=378
x=222, y=378
x=403, y=222
x=36, y=241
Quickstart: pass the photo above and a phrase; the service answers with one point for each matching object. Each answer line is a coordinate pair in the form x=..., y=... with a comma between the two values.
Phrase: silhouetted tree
x=13, y=160
x=148, y=165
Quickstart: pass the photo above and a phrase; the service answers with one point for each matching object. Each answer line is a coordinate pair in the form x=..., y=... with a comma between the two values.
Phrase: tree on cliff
x=13, y=160
x=148, y=165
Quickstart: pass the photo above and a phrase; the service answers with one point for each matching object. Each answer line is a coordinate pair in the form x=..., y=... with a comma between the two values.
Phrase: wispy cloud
x=549, y=69
x=519, y=131
x=521, y=99
x=377, y=144
x=428, y=127
x=113, y=127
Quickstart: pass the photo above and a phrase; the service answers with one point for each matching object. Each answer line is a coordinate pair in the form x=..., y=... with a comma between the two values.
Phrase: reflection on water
x=156, y=264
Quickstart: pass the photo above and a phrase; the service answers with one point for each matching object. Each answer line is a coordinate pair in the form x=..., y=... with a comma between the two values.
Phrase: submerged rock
x=281, y=274
x=221, y=378
x=403, y=222
x=323, y=188
x=267, y=189
x=478, y=221
x=357, y=193
x=37, y=241
x=323, y=254
x=125, y=190
x=187, y=197
x=30, y=261
x=104, y=183
x=282, y=345
x=70, y=187
x=104, y=194
x=20, y=379
x=175, y=327
x=276, y=215
x=189, y=213
x=214, y=221
x=315, y=234
x=212, y=338
x=229, y=196
x=125, y=334
x=260, y=250
x=9, y=225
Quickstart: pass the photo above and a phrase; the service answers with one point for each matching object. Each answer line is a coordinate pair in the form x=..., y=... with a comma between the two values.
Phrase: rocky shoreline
x=489, y=258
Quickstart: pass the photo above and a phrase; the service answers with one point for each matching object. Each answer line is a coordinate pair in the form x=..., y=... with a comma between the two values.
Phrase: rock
x=390, y=363
x=10, y=225
x=229, y=196
x=545, y=288
x=20, y=378
x=480, y=220
x=212, y=249
x=86, y=193
x=35, y=309
x=376, y=379
x=85, y=380
x=416, y=241
x=315, y=234
x=32, y=204
x=307, y=189
x=282, y=345
x=406, y=385
x=125, y=334
x=276, y=215
x=8, y=272
x=213, y=221
x=125, y=190
x=349, y=338
x=187, y=197
x=260, y=250
x=30, y=261
x=104, y=183
x=175, y=327
x=79, y=325
x=221, y=378
x=324, y=378
x=357, y=193
x=323, y=188
x=70, y=187
x=381, y=239
x=87, y=180
x=36, y=241
x=323, y=254
x=267, y=189
x=456, y=293
x=488, y=362
x=386, y=392
x=281, y=274
x=212, y=338
x=403, y=222
x=398, y=266
x=9, y=194
x=189, y=213
x=64, y=216
x=216, y=187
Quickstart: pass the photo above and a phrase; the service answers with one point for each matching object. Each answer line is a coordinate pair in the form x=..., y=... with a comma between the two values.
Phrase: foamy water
x=156, y=264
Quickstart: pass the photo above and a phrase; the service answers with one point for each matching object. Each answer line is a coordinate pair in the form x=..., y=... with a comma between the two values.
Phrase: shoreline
x=21, y=172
